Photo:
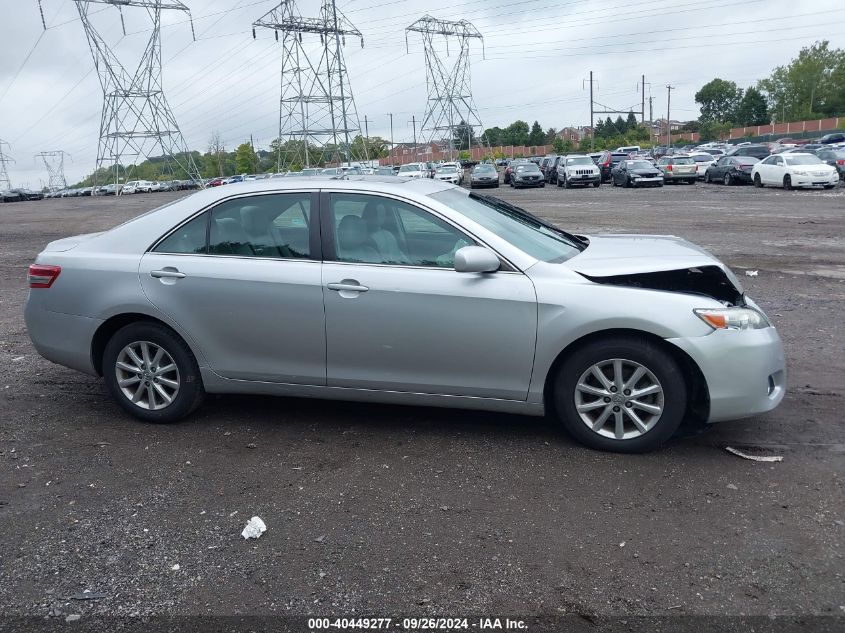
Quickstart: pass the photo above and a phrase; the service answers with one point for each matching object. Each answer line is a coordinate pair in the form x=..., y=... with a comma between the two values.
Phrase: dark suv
x=608, y=160
x=757, y=151
x=546, y=165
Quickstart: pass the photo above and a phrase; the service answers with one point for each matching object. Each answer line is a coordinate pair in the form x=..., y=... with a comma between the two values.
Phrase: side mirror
x=476, y=259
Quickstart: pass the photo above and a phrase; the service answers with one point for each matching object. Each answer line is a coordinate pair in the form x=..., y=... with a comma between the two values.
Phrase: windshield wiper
x=500, y=204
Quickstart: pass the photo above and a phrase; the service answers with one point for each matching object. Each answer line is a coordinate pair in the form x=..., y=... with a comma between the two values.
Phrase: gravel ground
x=385, y=510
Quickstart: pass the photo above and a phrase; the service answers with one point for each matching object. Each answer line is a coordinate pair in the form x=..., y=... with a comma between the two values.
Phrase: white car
x=703, y=160
x=137, y=186
x=447, y=173
x=413, y=170
x=794, y=170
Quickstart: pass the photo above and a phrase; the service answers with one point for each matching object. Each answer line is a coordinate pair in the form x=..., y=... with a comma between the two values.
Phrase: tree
x=464, y=136
x=516, y=133
x=811, y=85
x=217, y=151
x=493, y=136
x=559, y=146
x=551, y=133
x=245, y=159
x=598, y=131
x=536, y=136
x=718, y=100
x=752, y=109
x=631, y=122
x=619, y=126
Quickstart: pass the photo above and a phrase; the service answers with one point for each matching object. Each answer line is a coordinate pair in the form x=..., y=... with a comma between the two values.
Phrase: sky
x=536, y=59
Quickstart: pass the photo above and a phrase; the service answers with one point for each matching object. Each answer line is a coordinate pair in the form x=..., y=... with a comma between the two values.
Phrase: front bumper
x=529, y=183
x=484, y=183
x=583, y=180
x=815, y=181
x=745, y=371
x=647, y=182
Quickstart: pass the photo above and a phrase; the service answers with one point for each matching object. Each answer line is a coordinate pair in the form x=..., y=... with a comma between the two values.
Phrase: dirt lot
x=385, y=510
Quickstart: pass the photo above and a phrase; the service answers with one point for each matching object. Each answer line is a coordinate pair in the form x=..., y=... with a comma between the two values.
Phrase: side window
x=376, y=230
x=275, y=226
x=778, y=160
x=188, y=239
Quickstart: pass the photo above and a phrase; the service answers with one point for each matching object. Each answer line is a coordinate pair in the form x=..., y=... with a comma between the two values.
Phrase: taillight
x=41, y=276
x=668, y=167
x=840, y=162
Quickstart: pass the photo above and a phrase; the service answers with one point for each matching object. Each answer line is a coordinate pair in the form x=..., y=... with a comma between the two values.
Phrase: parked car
x=527, y=175
x=413, y=170
x=86, y=191
x=448, y=173
x=546, y=165
x=629, y=149
x=11, y=196
x=756, y=150
x=731, y=170
x=577, y=170
x=834, y=158
x=836, y=137
x=27, y=194
x=467, y=280
x=636, y=173
x=703, y=160
x=110, y=190
x=137, y=186
x=678, y=168
x=384, y=171
x=483, y=175
x=511, y=166
x=551, y=170
x=608, y=162
x=794, y=170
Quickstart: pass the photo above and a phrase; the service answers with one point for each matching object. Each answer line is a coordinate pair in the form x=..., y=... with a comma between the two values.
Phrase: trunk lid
x=67, y=243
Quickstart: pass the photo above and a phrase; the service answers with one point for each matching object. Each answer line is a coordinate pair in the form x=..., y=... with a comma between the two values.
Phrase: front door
x=400, y=318
x=242, y=280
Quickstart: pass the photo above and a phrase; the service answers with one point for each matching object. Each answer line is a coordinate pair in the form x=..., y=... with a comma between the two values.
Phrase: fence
x=801, y=129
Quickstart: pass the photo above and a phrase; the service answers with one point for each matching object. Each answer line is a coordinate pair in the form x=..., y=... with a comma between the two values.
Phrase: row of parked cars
x=20, y=195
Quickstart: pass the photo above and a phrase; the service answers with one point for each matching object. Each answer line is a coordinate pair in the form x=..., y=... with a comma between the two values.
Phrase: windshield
x=446, y=170
x=640, y=164
x=584, y=160
x=806, y=159
x=518, y=227
x=409, y=168
x=527, y=167
x=485, y=168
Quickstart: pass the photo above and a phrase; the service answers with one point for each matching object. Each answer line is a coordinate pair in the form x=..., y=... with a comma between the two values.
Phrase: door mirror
x=476, y=259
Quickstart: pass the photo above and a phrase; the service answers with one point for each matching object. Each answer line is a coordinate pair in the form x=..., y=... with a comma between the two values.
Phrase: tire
x=567, y=184
x=626, y=183
x=189, y=393
x=542, y=185
x=707, y=177
x=829, y=186
x=691, y=182
x=758, y=181
x=787, y=182
x=660, y=369
x=559, y=183
x=728, y=180
x=496, y=186
x=597, y=184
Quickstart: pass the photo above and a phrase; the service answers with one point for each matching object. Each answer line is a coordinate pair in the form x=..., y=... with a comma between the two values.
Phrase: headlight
x=733, y=319
x=800, y=172
x=635, y=175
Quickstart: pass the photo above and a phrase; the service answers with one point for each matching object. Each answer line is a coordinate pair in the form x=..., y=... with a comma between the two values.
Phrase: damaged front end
x=709, y=281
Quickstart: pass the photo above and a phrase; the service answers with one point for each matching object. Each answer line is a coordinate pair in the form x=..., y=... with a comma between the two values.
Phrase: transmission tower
x=55, y=163
x=317, y=115
x=136, y=119
x=5, y=183
x=450, y=110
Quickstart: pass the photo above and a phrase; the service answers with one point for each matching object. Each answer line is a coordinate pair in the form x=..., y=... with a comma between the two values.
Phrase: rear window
x=703, y=158
x=682, y=161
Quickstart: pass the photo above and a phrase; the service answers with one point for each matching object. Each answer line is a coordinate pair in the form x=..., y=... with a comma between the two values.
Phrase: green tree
x=551, y=133
x=811, y=85
x=516, y=133
x=536, y=136
x=752, y=109
x=464, y=136
x=631, y=122
x=718, y=100
x=245, y=159
x=493, y=136
x=619, y=126
x=558, y=145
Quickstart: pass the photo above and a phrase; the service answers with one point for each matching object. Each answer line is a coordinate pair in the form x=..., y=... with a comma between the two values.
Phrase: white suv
x=577, y=170
x=137, y=186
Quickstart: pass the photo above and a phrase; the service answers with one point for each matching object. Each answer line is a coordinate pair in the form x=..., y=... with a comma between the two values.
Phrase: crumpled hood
x=614, y=255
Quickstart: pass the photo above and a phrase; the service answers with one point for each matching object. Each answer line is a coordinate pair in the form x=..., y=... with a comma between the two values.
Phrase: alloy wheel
x=147, y=375
x=619, y=399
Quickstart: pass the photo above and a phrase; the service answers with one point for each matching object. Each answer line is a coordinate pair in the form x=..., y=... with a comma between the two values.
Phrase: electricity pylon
x=450, y=109
x=5, y=183
x=54, y=161
x=316, y=107
x=136, y=119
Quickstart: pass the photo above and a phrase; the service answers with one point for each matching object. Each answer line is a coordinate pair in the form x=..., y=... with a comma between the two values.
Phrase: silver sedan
x=406, y=291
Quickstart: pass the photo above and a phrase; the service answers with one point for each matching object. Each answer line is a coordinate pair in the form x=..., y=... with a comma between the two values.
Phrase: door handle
x=348, y=287
x=167, y=274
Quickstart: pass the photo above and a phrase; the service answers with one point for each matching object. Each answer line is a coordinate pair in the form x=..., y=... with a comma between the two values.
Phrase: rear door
x=400, y=318
x=242, y=280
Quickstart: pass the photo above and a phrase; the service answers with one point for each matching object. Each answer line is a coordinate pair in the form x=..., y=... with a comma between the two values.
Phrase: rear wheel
x=707, y=177
x=567, y=184
x=758, y=181
x=620, y=394
x=728, y=180
x=151, y=373
x=787, y=182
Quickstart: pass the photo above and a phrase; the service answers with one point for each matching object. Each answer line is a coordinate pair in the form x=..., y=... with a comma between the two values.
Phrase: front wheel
x=151, y=373
x=620, y=394
x=787, y=182
x=758, y=181
x=597, y=184
x=707, y=178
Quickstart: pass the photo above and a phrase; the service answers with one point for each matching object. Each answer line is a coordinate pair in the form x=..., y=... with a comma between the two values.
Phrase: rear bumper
x=671, y=175
x=62, y=338
x=745, y=371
